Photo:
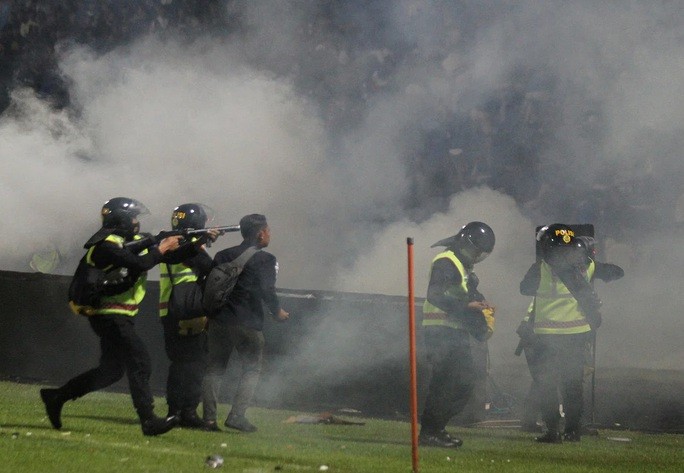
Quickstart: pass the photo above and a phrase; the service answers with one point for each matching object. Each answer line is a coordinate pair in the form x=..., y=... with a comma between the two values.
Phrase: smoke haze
x=242, y=124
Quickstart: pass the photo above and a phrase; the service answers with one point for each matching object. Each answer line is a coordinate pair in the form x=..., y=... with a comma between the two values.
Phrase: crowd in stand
x=508, y=141
x=30, y=30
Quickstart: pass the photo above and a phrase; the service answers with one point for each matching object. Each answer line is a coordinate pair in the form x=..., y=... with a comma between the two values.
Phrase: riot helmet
x=473, y=243
x=191, y=216
x=122, y=213
x=560, y=247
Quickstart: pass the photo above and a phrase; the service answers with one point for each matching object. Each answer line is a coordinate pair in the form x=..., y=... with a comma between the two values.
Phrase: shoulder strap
x=168, y=270
x=534, y=310
x=245, y=256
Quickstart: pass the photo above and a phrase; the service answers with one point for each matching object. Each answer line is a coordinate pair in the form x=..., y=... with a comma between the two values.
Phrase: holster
x=527, y=336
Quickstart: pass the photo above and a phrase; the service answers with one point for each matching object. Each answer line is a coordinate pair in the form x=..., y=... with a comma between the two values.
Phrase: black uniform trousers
x=531, y=405
x=561, y=360
x=450, y=376
x=122, y=352
x=189, y=357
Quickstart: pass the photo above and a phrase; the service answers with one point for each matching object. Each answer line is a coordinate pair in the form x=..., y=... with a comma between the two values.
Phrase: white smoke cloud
x=166, y=125
x=222, y=123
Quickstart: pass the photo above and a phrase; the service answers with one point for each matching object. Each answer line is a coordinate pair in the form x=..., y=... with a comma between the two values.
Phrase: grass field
x=101, y=434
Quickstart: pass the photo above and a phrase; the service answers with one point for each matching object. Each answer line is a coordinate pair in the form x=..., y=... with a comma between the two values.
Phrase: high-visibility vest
x=434, y=316
x=128, y=302
x=180, y=274
x=556, y=310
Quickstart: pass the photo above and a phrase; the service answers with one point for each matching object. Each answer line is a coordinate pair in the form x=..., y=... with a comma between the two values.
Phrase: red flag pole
x=412, y=359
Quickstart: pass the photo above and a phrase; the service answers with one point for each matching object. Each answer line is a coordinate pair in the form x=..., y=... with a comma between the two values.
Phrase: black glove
x=594, y=319
x=474, y=322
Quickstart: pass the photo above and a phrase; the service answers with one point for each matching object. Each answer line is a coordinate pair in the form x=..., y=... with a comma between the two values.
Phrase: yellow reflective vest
x=180, y=274
x=556, y=310
x=128, y=302
x=434, y=316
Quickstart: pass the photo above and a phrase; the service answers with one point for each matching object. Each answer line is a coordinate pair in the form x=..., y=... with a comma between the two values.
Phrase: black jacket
x=604, y=271
x=110, y=254
x=255, y=288
x=444, y=276
x=193, y=256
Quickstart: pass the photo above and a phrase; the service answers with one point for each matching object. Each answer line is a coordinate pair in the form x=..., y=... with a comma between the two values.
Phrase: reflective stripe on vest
x=128, y=302
x=181, y=273
x=557, y=311
x=434, y=316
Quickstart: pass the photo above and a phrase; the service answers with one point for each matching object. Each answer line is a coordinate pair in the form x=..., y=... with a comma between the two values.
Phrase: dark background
x=365, y=367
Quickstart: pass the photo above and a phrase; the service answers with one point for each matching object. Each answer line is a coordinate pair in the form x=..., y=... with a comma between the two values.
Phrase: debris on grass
x=322, y=418
x=214, y=461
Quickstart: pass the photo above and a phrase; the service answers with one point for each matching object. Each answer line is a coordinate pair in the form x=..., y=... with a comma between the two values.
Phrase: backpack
x=90, y=283
x=221, y=280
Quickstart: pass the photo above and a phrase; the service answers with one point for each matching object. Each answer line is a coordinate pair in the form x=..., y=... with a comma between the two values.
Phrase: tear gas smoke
x=240, y=124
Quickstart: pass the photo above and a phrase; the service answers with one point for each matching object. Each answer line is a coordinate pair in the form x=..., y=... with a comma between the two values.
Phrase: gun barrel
x=196, y=231
x=221, y=230
x=228, y=228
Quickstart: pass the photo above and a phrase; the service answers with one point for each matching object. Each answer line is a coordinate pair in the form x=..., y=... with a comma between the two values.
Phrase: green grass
x=101, y=434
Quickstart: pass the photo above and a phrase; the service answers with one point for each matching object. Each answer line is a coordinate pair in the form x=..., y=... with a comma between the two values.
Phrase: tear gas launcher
x=196, y=232
x=148, y=240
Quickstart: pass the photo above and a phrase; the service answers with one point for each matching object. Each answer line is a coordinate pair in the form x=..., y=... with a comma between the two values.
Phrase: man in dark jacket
x=239, y=324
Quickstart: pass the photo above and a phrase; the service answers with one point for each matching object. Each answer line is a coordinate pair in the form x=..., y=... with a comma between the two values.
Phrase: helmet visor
x=475, y=248
x=480, y=257
x=135, y=208
x=210, y=214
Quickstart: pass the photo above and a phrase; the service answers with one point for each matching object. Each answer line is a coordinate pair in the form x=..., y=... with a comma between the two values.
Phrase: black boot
x=439, y=439
x=239, y=423
x=211, y=426
x=158, y=425
x=572, y=436
x=190, y=419
x=53, y=406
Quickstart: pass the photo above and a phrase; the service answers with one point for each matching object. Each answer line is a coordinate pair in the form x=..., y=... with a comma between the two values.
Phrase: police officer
x=566, y=310
x=118, y=244
x=452, y=312
x=183, y=319
x=592, y=270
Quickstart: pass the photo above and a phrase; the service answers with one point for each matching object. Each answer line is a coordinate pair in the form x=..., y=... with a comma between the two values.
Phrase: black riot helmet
x=560, y=247
x=191, y=216
x=473, y=243
x=121, y=214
